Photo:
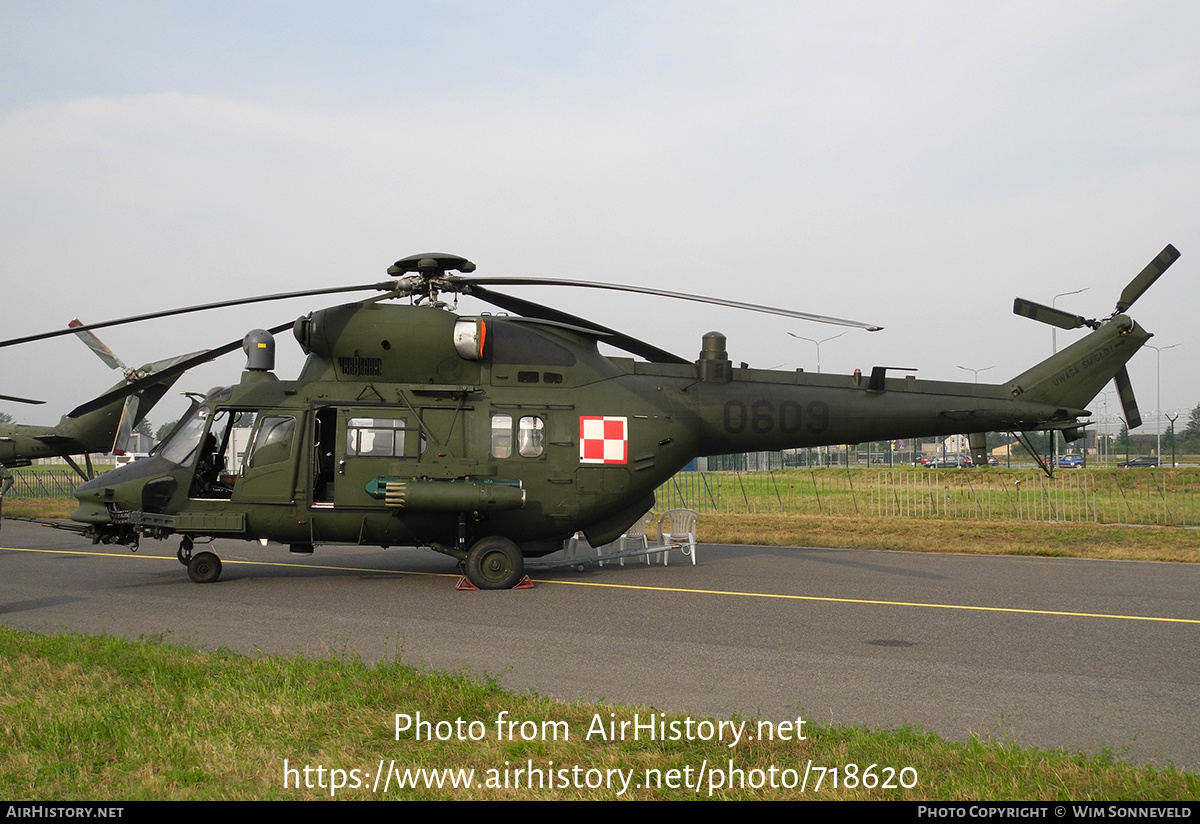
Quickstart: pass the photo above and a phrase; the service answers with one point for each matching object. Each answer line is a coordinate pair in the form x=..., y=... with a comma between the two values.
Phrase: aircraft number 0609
x=762, y=417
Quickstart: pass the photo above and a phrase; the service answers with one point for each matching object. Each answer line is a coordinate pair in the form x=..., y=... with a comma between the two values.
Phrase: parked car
x=951, y=461
x=1071, y=461
x=1144, y=460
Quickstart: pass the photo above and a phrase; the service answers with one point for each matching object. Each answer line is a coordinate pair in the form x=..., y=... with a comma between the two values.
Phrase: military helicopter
x=104, y=428
x=492, y=438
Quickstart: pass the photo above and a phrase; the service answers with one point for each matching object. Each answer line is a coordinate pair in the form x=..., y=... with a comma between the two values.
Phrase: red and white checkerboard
x=603, y=440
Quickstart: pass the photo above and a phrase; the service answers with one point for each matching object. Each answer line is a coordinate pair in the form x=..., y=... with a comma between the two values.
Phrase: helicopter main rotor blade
x=530, y=309
x=1047, y=314
x=96, y=345
x=15, y=399
x=386, y=286
x=1133, y=418
x=180, y=366
x=1145, y=279
x=617, y=287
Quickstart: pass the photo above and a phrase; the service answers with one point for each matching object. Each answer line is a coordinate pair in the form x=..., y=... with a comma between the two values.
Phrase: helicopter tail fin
x=107, y=428
x=1074, y=376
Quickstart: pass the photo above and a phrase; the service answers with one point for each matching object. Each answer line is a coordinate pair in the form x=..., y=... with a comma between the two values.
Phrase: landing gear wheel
x=495, y=563
x=204, y=568
x=184, y=554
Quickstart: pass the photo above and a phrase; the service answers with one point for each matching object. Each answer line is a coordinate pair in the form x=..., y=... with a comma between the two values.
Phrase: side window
x=272, y=442
x=530, y=436
x=380, y=438
x=501, y=435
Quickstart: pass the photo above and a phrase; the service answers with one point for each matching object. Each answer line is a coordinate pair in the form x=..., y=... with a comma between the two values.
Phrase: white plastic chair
x=678, y=526
x=636, y=536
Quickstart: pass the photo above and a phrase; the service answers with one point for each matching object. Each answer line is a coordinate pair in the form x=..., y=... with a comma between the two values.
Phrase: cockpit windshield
x=180, y=447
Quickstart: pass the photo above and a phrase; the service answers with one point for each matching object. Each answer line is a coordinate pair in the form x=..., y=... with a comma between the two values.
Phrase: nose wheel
x=495, y=563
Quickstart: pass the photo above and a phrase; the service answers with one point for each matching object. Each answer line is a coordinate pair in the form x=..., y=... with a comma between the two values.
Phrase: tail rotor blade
x=125, y=425
x=1133, y=418
x=165, y=374
x=1047, y=314
x=94, y=343
x=1145, y=279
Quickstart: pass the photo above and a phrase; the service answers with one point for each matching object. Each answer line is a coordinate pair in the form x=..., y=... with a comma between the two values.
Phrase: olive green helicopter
x=492, y=438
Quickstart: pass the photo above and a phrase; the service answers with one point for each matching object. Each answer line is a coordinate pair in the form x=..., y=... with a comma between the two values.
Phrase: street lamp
x=1158, y=397
x=1054, y=350
x=1172, y=416
x=824, y=451
x=1054, y=329
x=818, y=345
x=1102, y=438
x=976, y=371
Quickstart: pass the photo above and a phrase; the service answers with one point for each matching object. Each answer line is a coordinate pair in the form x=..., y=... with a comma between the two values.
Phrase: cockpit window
x=180, y=447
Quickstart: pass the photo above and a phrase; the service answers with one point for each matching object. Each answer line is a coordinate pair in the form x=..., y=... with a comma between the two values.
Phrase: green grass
x=105, y=718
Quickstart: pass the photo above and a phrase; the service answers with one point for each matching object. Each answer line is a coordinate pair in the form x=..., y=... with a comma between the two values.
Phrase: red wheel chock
x=464, y=585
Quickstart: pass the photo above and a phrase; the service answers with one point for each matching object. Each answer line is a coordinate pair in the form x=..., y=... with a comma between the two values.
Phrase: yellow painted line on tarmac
x=646, y=588
x=882, y=603
x=291, y=564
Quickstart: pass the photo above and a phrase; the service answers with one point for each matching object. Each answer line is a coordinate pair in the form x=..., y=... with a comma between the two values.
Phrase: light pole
x=824, y=451
x=817, y=343
x=1172, y=416
x=1054, y=329
x=1054, y=351
x=976, y=371
x=1158, y=396
x=1103, y=423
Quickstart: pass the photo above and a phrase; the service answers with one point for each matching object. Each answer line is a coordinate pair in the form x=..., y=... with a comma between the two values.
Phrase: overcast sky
x=915, y=165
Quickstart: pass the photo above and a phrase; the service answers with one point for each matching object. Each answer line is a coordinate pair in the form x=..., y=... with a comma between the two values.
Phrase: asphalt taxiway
x=1045, y=652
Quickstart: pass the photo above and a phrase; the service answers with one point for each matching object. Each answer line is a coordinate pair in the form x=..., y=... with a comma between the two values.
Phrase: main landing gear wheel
x=204, y=568
x=185, y=551
x=495, y=563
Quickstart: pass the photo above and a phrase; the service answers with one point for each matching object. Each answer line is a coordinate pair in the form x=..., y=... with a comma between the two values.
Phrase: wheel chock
x=464, y=585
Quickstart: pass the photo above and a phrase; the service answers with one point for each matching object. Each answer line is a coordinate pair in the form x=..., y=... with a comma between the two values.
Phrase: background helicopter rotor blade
x=641, y=290
x=1133, y=418
x=530, y=309
x=125, y=425
x=386, y=286
x=1145, y=279
x=180, y=365
x=1047, y=314
x=15, y=399
x=96, y=345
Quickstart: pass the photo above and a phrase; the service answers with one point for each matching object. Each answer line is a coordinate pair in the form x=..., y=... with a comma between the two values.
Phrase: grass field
x=105, y=718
